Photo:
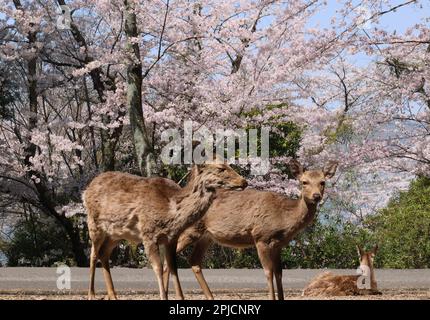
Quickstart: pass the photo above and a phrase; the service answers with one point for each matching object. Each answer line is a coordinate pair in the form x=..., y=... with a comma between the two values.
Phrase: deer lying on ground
x=152, y=211
x=267, y=220
x=329, y=284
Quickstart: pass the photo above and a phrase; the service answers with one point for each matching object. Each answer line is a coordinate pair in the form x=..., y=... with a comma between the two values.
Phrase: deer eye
x=305, y=183
x=323, y=183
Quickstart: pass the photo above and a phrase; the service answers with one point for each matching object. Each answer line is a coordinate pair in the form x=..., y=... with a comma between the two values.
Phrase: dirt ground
x=399, y=294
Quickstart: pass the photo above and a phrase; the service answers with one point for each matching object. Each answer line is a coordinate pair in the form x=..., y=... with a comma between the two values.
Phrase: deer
x=266, y=220
x=153, y=211
x=329, y=284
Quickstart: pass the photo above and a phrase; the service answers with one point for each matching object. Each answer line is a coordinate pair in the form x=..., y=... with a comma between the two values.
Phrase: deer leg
x=196, y=264
x=264, y=253
x=183, y=242
x=93, y=261
x=173, y=267
x=166, y=277
x=165, y=268
x=97, y=241
x=153, y=254
x=278, y=274
x=105, y=252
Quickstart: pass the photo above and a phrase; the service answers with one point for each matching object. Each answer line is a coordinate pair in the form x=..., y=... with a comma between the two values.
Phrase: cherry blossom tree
x=379, y=112
x=97, y=95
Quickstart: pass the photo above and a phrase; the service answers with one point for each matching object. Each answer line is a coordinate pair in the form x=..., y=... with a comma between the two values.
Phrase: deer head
x=218, y=175
x=312, y=182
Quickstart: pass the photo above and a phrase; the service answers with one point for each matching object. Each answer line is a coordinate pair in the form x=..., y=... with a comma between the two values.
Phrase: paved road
x=45, y=279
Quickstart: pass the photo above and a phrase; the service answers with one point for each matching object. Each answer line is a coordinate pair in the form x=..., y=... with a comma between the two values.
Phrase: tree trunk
x=108, y=141
x=143, y=148
x=108, y=152
x=44, y=196
x=75, y=240
x=78, y=247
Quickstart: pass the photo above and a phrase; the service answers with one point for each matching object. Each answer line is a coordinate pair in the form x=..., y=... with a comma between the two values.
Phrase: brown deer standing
x=267, y=220
x=329, y=284
x=152, y=211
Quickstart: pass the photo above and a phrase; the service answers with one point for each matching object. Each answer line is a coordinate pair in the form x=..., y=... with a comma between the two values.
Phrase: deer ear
x=296, y=168
x=375, y=249
x=330, y=169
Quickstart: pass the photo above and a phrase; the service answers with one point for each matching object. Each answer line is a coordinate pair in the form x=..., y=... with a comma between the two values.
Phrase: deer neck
x=306, y=211
x=190, y=205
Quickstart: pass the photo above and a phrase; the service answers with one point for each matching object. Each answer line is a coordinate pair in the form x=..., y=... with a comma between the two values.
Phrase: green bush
x=403, y=228
x=37, y=242
x=329, y=243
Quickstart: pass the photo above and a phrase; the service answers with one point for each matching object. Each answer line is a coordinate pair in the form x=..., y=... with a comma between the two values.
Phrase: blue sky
x=398, y=20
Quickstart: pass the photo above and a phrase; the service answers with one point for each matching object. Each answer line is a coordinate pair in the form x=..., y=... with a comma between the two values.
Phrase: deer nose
x=316, y=197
